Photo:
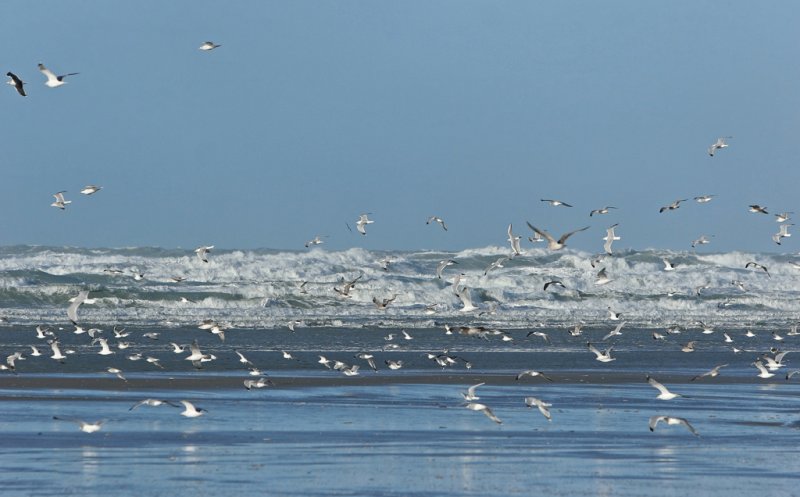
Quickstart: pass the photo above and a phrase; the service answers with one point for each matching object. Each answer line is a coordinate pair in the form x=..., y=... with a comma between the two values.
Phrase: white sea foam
x=261, y=288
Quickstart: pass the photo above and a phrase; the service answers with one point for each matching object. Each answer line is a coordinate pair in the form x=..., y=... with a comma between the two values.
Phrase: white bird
x=90, y=189
x=104, y=349
x=16, y=82
x=363, y=220
x=474, y=406
x=259, y=383
x=54, y=81
x=783, y=232
x=347, y=286
x=671, y=207
x=470, y=393
x=555, y=203
x=603, y=210
x=532, y=374
x=57, y=355
x=190, y=410
x=703, y=240
x=602, y=278
x=613, y=315
x=60, y=202
x=152, y=403
x=514, y=241
x=317, y=240
x=244, y=360
x=702, y=199
x=84, y=426
x=383, y=303
x=541, y=405
x=757, y=266
x=714, y=372
x=668, y=266
x=663, y=394
x=552, y=243
x=757, y=209
x=203, y=251
x=783, y=217
x=671, y=420
x=719, y=144
x=762, y=371
x=443, y=264
x=466, y=300
x=497, y=264
x=72, y=310
x=437, y=219
x=393, y=364
x=615, y=332
x=208, y=46
x=610, y=238
x=118, y=372
x=601, y=356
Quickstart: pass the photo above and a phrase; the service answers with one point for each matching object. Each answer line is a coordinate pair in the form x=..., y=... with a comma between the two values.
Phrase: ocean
x=316, y=431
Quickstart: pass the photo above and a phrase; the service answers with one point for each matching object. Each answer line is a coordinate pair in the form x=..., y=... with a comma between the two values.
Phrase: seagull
x=244, y=360
x=612, y=315
x=668, y=266
x=345, y=290
x=670, y=420
x=763, y=373
x=532, y=374
x=498, y=263
x=615, y=332
x=540, y=404
x=703, y=240
x=466, y=300
x=437, y=219
x=601, y=356
x=16, y=83
x=152, y=403
x=603, y=210
x=84, y=426
x=104, y=350
x=783, y=217
x=202, y=251
x=757, y=209
x=702, y=199
x=469, y=395
x=602, y=278
x=383, y=303
x=315, y=241
x=551, y=283
x=365, y=356
x=393, y=364
x=443, y=264
x=90, y=189
x=609, y=238
x=552, y=244
x=714, y=372
x=190, y=410
x=208, y=46
x=671, y=207
x=540, y=334
x=757, y=266
x=555, y=203
x=259, y=383
x=60, y=202
x=664, y=394
x=363, y=220
x=783, y=232
x=117, y=372
x=53, y=81
x=72, y=310
x=57, y=355
x=474, y=406
x=514, y=241
x=719, y=144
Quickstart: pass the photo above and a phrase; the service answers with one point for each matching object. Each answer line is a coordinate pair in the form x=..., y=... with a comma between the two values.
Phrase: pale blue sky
x=312, y=112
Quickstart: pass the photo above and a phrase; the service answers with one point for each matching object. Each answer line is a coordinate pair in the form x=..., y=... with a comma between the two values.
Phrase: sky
x=313, y=112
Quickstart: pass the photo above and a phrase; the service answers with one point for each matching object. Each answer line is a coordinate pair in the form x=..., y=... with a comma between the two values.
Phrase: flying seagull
x=703, y=199
x=714, y=372
x=363, y=220
x=609, y=238
x=671, y=420
x=474, y=406
x=540, y=404
x=757, y=209
x=552, y=244
x=16, y=83
x=603, y=210
x=555, y=203
x=60, y=202
x=514, y=241
x=719, y=144
x=757, y=266
x=84, y=426
x=663, y=394
x=208, y=46
x=437, y=219
x=72, y=310
x=202, y=251
x=90, y=189
x=54, y=81
x=469, y=395
x=671, y=207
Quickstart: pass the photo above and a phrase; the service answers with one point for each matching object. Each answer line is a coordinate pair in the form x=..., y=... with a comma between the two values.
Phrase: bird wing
x=48, y=73
x=539, y=232
x=658, y=386
x=72, y=310
x=564, y=237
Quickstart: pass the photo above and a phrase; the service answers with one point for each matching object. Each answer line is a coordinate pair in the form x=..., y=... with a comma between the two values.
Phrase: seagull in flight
x=601, y=356
x=602, y=278
x=203, y=251
x=437, y=219
x=671, y=420
x=701, y=241
x=90, y=189
x=552, y=243
x=603, y=210
x=315, y=241
x=72, y=310
x=16, y=83
x=668, y=266
x=756, y=266
x=719, y=144
x=703, y=199
x=469, y=395
x=541, y=405
x=783, y=217
x=53, y=81
x=60, y=202
x=84, y=426
x=757, y=209
x=363, y=220
x=474, y=406
x=671, y=207
x=783, y=232
x=663, y=394
x=443, y=264
x=152, y=403
x=551, y=283
x=190, y=410
x=555, y=203
x=514, y=241
x=207, y=46
x=610, y=238
x=532, y=374
x=714, y=372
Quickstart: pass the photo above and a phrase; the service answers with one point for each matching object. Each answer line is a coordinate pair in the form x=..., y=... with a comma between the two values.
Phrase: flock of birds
x=767, y=363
